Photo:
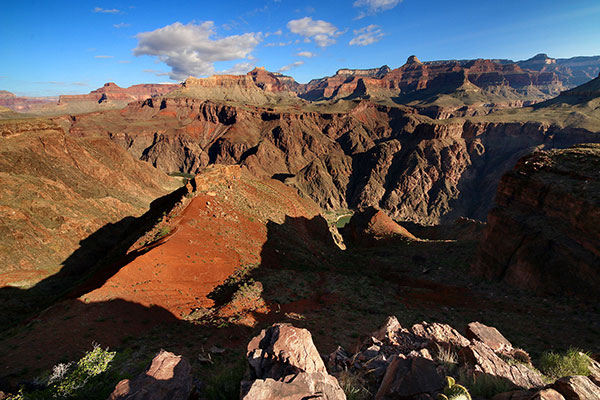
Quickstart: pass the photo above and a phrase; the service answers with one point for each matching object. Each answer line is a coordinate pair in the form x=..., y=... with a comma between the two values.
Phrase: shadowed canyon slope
x=544, y=233
x=57, y=189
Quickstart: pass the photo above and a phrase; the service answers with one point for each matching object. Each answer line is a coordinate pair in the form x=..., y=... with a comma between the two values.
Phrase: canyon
x=204, y=214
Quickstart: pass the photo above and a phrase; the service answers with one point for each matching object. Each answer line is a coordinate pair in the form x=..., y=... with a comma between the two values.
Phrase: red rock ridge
x=111, y=91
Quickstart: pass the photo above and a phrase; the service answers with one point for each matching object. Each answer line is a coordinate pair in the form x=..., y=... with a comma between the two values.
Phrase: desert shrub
x=573, y=362
x=521, y=356
x=93, y=363
x=162, y=232
x=354, y=386
x=86, y=379
x=447, y=358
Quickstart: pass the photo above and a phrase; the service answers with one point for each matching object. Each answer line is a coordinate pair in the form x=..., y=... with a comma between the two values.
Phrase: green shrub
x=84, y=380
x=573, y=362
x=93, y=363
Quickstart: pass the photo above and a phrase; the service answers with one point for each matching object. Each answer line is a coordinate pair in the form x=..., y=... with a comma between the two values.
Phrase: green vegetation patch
x=572, y=362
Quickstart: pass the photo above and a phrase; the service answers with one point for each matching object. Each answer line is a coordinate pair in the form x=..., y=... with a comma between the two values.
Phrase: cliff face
x=544, y=233
x=571, y=71
x=415, y=77
x=412, y=167
x=111, y=91
x=22, y=104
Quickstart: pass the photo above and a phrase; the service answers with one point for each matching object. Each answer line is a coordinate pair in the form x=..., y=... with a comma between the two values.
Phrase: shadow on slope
x=99, y=255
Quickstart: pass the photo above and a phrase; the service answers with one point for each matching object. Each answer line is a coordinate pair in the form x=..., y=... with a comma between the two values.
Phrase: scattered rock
x=490, y=336
x=168, y=377
x=577, y=388
x=285, y=364
x=441, y=334
x=481, y=359
x=409, y=376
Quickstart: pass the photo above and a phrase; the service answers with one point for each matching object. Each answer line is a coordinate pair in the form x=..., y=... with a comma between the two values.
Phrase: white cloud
x=375, y=6
x=366, y=36
x=280, y=44
x=290, y=66
x=61, y=83
x=106, y=11
x=121, y=25
x=104, y=56
x=190, y=50
x=124, y=62
x=323, y=33
x=306, y=54
x=238, y=69
x=155, y=72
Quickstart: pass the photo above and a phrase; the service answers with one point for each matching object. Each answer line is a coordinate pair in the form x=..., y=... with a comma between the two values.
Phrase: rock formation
x=372, y=227
x=111, y=91
x=543, y=234
x=285, y=364
x=168, y=377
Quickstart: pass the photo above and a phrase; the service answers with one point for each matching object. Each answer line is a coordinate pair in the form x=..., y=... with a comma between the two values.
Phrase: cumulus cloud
x=105, y=10
x=306, y=54
x=121, y=25
x=322, y=32
x=191, y=50
x=366, y=36
x=290, y=66
x=155, y=72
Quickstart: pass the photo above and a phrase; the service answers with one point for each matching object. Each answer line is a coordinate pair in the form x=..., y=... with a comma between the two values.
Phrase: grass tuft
x=573, y=362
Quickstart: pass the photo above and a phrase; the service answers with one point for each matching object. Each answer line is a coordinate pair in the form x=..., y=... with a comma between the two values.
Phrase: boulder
x=168, y=377
x=441, y=334
x=481, y=359
x=594, y=371
x=577, y=388
x=410, y=377
x=547, y=394
x=285, y=364
x=490, y=336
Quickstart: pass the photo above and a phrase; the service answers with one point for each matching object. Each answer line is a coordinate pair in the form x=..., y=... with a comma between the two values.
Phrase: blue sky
x=64, y=47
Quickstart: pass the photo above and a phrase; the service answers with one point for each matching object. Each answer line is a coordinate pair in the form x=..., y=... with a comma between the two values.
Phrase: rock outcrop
x=285, y=364
x=372, y=227
x=168, y=377
x=412, y=363
x=577, y=388
x=544, y=234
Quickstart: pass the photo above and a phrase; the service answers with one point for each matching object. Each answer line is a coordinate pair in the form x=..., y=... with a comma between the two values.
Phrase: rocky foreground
x=423, y=362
